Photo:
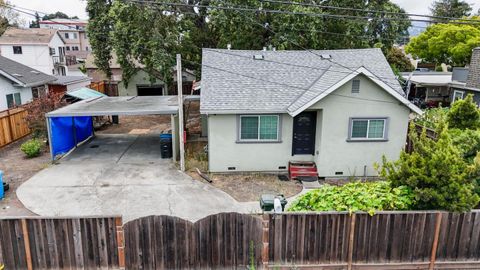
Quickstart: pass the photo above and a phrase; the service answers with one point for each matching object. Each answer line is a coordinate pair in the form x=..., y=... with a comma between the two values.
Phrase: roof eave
x=242, y=111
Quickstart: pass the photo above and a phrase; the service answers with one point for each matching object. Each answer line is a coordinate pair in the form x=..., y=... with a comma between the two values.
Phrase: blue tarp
x=65, y=136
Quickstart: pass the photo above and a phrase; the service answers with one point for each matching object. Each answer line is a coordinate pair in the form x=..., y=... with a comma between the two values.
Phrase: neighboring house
x=19, y=84
x=472, y=83
x=73, y=32
x=68, y=83
x=139, y=84
x=40, y=49
x=342, y=109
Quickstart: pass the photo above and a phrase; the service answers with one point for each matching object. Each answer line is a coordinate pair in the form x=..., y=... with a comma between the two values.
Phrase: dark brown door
x=304, y=126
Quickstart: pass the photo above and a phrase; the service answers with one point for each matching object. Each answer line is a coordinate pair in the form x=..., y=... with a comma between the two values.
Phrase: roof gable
x=284, y=81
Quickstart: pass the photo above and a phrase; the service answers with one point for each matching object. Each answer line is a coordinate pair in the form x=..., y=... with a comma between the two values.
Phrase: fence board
x=55, y=243
x=13, y=125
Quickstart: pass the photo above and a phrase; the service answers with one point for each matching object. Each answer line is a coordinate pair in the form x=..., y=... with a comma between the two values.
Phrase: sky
x=77, y=7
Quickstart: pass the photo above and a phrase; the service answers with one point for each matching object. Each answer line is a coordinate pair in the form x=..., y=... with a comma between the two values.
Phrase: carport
x=70, y=126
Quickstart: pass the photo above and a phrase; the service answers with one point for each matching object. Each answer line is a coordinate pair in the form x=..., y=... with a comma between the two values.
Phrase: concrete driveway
x=123, y=175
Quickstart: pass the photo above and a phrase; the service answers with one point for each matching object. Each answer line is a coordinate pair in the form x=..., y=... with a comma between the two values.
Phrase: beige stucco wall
x=335, y=154
x=332, y=151
x=140, y=78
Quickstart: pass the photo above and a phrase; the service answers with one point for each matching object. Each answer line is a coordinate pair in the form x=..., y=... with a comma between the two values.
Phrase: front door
x=304, y=126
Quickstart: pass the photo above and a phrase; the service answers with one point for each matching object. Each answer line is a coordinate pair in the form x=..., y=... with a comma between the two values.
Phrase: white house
x=342, y=109
x=40, y=49
x=19, y=84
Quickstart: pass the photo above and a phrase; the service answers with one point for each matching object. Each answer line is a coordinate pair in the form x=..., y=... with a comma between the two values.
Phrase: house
x=19, y=84
x=428, y=88
x=472, y=83
x=73, y=32
x=68, y=83
x=139, y=84
x=40, y=49
x=342, y=109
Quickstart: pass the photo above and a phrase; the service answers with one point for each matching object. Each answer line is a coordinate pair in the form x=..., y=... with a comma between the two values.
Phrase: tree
x=8, y=16
x=464, y=114
x=36, y=22
x=398, y=60
x=450, y=8
x=56, y=15
x=38, y=108
x=150, y=34
x=445, y=43
x=436, y=172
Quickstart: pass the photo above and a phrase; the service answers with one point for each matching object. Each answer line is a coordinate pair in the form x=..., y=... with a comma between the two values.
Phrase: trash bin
x=166, y=145
x=266, y=201
x=2, y=192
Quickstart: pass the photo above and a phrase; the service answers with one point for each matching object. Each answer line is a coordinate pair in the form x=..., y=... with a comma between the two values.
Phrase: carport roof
x=119, y=106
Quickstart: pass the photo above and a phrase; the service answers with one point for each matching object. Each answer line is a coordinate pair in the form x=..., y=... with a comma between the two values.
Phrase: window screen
x=368, y=129
x=259, y=127
x=17, y=49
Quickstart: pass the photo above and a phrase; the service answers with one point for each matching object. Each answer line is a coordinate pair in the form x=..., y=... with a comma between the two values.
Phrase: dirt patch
x=18, y=169
x=141, y=124
x=249, y=187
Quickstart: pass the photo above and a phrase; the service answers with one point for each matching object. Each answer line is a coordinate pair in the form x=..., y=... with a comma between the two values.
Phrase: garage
x=72, y=126
x=147, y=90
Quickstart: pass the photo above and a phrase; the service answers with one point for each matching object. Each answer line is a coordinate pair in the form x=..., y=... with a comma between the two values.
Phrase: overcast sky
x=77, y=7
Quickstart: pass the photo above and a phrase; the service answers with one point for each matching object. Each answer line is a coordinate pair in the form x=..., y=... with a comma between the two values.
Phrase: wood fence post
x=350, y=241
x=120, y=242
x=265, y=240
x=26, y=241
x=10, y=128
x=438, y=223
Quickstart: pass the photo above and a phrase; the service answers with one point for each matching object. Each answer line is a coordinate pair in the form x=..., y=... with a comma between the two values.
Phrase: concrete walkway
x=123, y=175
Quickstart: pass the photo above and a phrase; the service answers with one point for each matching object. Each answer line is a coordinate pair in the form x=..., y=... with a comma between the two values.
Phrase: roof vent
x=326, y=56
x=17, y=75
x=258, y=57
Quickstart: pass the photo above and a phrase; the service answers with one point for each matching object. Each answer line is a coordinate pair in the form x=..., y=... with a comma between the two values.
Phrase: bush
x=467, y=142
x=355, y=196
x=464, y=114
x=433, y=117
x=32, y=148
x=436, y=173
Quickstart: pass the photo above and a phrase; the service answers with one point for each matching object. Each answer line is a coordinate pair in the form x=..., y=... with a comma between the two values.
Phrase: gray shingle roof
x=23, y=75
x=232, y=81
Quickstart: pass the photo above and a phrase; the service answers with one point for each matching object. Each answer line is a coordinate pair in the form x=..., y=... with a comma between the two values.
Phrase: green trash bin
x=266, y=201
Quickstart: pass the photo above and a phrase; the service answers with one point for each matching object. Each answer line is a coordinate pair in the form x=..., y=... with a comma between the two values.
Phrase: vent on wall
x=356, y=86
x=232, y=168
x=338, y=173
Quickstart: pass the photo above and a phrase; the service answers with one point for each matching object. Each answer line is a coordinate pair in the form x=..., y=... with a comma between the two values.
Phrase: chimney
x=473, y=79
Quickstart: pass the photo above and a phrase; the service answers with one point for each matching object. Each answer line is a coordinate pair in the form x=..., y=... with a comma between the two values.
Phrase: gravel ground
x=145, y=124
x=17, y=169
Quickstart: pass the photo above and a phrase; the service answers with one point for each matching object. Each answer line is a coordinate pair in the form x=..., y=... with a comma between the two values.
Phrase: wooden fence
x=78, y=243
x=219, y=241
x=13, y=125
x=331, y=240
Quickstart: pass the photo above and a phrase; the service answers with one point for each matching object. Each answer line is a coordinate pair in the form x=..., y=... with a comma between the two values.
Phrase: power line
x=366, y=10
x=275, y=11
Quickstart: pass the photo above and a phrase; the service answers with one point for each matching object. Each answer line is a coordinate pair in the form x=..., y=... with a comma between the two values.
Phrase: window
x=14, y=100
x=368, y=129
x=86, y=48
x=68, y=48
x=259, y=128
x=457, y=95
x=355, y=86
x=39, y=91
x=17, y=49
x=52, y=51
x=66, y=36
x=75, y=36
x=74, y=48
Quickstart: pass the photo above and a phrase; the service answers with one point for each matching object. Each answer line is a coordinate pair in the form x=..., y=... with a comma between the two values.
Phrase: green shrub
x=467, y=142
x=32, y=148
x=464, y=114
x=431, y=118
x=436, y=173
x=355, y=196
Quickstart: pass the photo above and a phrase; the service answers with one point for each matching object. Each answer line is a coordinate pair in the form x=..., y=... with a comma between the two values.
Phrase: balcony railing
x=64, y=60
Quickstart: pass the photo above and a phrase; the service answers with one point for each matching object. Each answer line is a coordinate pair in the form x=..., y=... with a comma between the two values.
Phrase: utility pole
x=180, y=112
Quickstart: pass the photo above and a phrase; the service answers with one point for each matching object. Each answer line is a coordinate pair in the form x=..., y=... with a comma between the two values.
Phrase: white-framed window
x=39, y=91
x=364, y=129
x=75, y=36
x=67, y=36
x=13, y=100
x=259, y=128
x=457, y=94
